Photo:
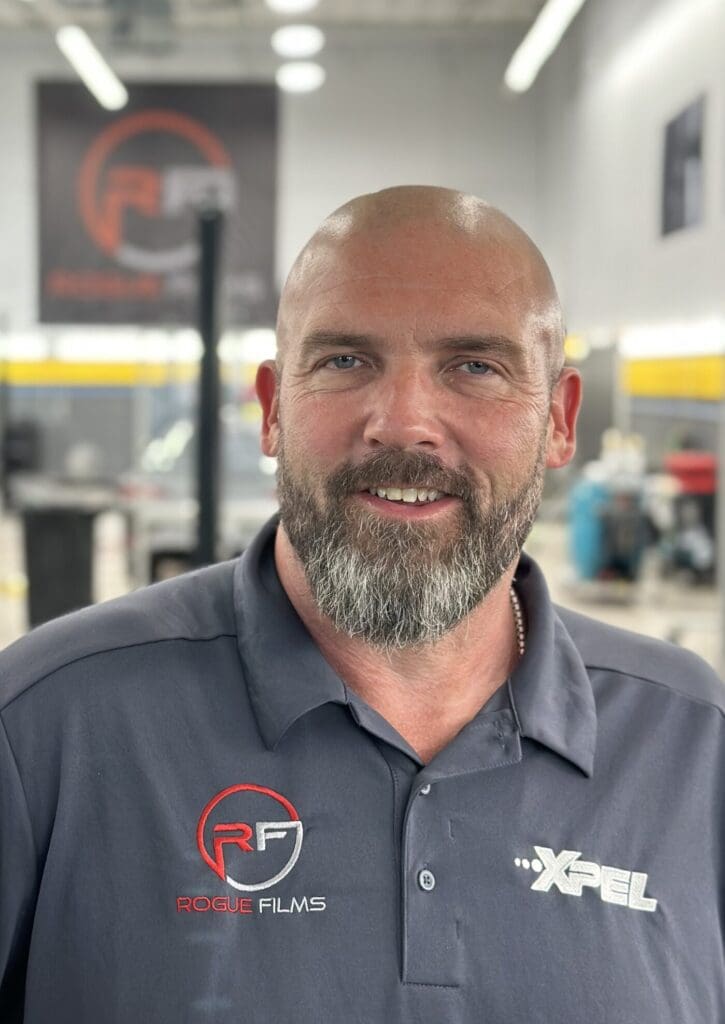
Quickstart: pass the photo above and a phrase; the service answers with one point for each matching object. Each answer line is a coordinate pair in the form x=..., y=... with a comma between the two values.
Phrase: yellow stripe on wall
x=56, y=373
x=694, y=377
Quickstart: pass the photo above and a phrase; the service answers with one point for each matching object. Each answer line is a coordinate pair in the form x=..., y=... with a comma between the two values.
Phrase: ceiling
x=201, y=15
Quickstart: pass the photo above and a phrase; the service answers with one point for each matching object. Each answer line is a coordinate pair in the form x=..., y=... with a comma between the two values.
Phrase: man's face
x=413, y=366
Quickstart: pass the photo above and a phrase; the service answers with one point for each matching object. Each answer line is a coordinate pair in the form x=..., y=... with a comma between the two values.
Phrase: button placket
x=431, y=953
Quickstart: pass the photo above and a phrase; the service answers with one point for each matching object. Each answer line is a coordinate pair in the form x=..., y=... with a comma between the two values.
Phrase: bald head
x=395, y=207
x=377, y=229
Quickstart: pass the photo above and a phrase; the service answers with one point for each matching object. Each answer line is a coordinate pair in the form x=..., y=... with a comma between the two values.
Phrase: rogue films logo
x=243, y=837
x=114, y=193
x=250, y=836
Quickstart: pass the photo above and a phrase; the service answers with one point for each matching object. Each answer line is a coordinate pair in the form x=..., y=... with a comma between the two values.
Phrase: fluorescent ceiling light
x=253, y=345
x=291, y=6
x=186, y=346
x=540, y=42
x=697, y=338
x=24, y=347
x=77, y=48
x=96, y=346
x=259, y=344
x=295, y=42
x=300, y=76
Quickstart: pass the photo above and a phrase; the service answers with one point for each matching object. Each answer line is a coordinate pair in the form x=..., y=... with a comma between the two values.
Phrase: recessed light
x=300, y=76
x=296, y=42
x=291, y=6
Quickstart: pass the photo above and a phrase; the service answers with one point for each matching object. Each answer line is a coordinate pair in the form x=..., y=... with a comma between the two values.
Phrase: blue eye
x=342, y=362
x=477, y=367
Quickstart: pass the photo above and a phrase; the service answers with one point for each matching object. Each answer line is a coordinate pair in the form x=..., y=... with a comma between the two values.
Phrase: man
x=369, y=773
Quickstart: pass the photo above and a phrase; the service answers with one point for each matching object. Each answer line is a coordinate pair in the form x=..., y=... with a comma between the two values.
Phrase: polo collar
x=285, y=671
x=550, y=690
x=287, y=676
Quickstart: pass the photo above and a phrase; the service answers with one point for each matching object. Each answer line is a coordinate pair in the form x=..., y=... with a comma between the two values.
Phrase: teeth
x=409, y=495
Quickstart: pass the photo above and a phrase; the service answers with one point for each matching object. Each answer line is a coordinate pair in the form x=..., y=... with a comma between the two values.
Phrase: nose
x=405, y=414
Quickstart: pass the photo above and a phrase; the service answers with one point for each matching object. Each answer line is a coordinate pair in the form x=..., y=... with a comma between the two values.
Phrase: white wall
x=626, y=68
x=427, y=108
x=421, y=106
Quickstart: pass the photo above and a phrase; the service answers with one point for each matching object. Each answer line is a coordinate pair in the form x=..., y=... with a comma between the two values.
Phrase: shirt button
x=426, y=880
x=425, y=790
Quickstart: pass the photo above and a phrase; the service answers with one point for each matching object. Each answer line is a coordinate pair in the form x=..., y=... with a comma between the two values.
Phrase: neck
x=427, y=693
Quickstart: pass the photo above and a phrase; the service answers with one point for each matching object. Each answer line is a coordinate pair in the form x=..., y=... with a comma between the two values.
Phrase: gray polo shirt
x=199, y=822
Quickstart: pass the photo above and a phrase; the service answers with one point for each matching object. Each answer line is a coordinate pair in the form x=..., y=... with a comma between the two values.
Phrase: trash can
x=58, y=543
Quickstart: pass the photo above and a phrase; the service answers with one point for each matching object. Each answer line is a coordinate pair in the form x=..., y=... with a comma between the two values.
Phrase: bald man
x=368, y=772
x=421, y=349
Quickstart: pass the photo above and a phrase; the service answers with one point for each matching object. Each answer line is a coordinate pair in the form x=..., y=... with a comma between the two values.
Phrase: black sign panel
x=682, y=194
x=120, y=194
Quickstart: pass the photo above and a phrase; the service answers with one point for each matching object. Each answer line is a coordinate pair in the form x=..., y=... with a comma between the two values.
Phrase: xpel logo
x=571, y=876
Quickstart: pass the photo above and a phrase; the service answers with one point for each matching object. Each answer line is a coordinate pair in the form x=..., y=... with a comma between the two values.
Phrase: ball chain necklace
x=518, y=620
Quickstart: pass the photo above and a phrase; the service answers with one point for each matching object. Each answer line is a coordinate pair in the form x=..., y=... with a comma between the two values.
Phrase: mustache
x=404, y=469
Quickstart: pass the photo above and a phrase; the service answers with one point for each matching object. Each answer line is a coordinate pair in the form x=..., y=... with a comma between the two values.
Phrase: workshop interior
x=165, y=160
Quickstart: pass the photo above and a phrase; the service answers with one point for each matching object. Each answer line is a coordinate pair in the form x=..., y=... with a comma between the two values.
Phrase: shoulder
x=642, y=658
x=196, y=606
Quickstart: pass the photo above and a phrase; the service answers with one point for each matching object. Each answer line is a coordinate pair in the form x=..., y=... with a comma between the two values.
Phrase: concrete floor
x=666, y=609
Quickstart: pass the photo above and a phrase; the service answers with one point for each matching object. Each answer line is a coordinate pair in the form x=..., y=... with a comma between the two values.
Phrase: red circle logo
x=108, y=190
x=250, y=836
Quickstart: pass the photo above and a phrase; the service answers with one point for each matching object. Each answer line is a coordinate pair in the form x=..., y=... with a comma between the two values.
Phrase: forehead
x=417, y=273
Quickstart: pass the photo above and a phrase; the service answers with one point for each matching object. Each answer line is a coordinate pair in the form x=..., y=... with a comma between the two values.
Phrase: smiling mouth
x=408, y=495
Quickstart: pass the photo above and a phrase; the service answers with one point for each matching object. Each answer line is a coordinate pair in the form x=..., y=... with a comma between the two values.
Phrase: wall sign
x=682, y=193
x=119, y=196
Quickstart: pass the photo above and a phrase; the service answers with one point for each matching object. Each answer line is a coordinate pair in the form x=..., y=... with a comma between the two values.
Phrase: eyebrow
x=321, y=341
x=481, y=344
x=485, y=344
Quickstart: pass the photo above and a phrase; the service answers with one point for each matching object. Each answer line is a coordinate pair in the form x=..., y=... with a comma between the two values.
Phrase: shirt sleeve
x=18, y=876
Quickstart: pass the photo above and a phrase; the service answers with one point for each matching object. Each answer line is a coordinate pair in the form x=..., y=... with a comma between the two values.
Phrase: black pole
x=4, y=420
x=4, y=453
x=210, y=224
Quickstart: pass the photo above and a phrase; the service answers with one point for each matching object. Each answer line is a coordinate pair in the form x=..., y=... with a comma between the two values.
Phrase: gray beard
x=398, y=584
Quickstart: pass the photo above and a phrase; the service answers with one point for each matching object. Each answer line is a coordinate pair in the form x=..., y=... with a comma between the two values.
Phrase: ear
x=565, y=401
x=267, y=387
